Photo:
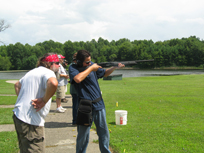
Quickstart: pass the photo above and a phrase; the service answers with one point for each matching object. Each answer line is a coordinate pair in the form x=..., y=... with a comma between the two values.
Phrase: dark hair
x=82, y=55
x=44, y=63
x=74, y=56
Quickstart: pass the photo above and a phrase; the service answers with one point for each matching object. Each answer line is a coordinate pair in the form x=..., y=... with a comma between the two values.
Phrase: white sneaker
x=59, y=110
x=63, y=108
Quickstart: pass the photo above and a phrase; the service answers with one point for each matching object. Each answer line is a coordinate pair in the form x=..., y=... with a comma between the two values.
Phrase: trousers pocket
x=35, y=133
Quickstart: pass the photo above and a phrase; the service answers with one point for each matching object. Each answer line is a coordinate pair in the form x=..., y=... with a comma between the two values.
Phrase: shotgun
x=109, y=64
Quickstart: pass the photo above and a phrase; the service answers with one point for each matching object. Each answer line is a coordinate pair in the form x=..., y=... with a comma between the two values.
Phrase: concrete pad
x=60, y=135
x=7, y=127
x=12, y=81
x=6, y=106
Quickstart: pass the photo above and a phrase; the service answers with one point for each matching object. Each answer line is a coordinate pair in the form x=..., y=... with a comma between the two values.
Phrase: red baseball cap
x=51, y=58
x=60, y=56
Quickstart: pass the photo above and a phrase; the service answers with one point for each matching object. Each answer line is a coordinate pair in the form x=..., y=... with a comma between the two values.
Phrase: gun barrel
x=150, y=60
x=109, y=64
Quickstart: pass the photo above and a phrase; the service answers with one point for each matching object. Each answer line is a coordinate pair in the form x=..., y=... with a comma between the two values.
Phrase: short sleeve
x=21, y=80
x=45, y=77
x=61, y=70
x=100, y=73
x=73, y=71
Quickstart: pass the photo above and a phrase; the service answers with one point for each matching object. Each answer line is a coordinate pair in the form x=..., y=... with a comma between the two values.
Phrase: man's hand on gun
x=120, y=65
x=95, y=67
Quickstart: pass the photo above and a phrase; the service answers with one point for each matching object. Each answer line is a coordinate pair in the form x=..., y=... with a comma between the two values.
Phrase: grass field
x=165, y=114
x=6, y=88
x=6, y=116
x=8, y=142
x=8, y=100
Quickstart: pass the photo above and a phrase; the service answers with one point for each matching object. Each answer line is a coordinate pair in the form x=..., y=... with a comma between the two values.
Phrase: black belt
x=97, y=100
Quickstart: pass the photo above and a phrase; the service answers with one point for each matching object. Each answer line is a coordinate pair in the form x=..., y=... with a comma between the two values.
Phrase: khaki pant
x=60, y=92
x=30, y=137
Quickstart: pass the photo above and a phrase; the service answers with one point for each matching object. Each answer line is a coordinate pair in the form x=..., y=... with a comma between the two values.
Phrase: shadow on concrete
x=57, y=124
x=67, y=106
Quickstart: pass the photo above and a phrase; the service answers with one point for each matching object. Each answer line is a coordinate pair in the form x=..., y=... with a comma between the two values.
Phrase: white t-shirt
x=33, y=85
x=62, y=81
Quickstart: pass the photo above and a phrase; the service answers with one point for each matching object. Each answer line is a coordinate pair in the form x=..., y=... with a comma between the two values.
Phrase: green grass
x=6, y=88
x=8, y=100
x=8, y=142
x=165, y=114
x=6, y=116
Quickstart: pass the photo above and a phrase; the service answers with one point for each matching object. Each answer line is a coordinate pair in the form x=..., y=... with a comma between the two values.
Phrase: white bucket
x=121, y=117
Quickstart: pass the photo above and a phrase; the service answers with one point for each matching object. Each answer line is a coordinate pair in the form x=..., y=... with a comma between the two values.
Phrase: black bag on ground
x=84, y=114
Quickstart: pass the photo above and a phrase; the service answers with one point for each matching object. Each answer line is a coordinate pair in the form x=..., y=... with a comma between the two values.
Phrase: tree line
x=174, y=52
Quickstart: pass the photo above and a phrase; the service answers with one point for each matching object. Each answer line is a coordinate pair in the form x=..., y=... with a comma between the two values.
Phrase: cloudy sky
x=34, y=21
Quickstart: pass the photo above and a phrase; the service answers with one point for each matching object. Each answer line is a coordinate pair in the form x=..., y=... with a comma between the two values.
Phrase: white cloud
x=195, y=21
x=35, y=21
x=166, y=19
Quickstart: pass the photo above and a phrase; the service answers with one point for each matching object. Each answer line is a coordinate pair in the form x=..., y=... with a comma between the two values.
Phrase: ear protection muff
x=79, y=63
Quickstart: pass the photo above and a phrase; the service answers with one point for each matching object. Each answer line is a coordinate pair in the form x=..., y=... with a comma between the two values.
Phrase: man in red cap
x=34, y=91
x=62, y=83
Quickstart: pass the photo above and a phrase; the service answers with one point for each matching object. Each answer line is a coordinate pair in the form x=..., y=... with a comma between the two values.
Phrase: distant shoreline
x=14, y=71
x=132, y=68
x=165, y=68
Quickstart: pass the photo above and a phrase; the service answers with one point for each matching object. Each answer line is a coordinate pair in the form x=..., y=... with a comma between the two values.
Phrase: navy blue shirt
x=89, y=87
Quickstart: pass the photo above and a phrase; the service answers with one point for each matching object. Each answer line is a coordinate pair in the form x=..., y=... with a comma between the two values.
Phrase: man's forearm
x=82, y=75
x=17, y=87
x=109, y=71
x=63, y=75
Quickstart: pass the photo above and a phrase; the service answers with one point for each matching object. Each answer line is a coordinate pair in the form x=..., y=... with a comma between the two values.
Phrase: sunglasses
x=87, y=62
x=57, y=63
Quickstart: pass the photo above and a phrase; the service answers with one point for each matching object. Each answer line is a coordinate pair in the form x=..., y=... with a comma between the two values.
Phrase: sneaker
x=59, y=110
x=63, y=108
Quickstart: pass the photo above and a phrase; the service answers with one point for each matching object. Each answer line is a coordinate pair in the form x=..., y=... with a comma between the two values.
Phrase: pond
x=126, y=73
x=12, y=75
x=142, y=73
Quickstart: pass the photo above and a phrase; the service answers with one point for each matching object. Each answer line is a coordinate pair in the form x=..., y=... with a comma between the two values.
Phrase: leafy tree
x=92, y=49
x=10, y=52
x=120, y=41
x=5, y=63
x=180, y=52
x=124, y=52
x=37, y=50
x=111, y=53
x=112, y=57
x=30, y=62
x=3, y=51
x=135, y=52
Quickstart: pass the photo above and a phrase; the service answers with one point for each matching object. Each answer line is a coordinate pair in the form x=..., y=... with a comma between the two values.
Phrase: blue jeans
x=75, y=104
x=99, y=118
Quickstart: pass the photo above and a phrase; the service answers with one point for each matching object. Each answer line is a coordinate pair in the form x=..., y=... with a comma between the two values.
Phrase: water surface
x=126, y=73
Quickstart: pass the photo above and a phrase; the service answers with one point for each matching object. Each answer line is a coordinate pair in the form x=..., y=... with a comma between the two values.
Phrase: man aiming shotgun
x=109, y=64
x=91, y=107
